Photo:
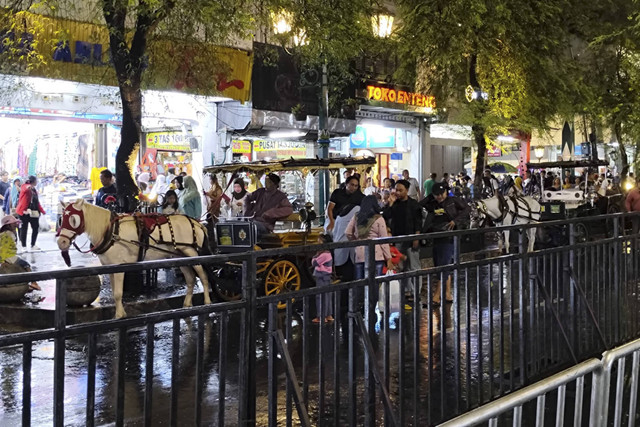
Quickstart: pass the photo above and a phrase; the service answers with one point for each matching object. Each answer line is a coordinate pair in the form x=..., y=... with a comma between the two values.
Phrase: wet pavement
x=438, y=361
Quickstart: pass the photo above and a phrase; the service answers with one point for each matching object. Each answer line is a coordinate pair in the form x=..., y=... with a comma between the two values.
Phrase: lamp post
x=538, y=151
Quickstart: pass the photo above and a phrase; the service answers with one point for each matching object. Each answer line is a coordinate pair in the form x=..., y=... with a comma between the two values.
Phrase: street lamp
x=281, y=22
x=538, y=151
x=382, y=25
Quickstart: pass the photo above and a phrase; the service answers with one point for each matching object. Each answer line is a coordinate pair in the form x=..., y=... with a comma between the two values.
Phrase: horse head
x=72, y=224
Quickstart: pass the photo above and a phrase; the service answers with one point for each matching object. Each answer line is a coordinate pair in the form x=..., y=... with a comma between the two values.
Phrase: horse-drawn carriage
x=236, y=234
x=583, y=201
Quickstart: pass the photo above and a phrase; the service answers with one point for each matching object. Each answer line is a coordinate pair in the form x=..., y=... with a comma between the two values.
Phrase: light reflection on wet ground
x=477, y=360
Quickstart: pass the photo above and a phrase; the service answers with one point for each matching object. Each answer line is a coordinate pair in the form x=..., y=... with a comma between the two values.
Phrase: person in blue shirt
x=11, y=196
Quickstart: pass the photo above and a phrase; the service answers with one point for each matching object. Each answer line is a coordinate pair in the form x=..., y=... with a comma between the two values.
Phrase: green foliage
x=607, y=69
x=511, y=49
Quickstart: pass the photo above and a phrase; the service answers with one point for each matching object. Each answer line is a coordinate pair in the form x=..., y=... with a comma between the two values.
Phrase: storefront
x=165, y=151
x=391, y=146
x=44, y=148
x=390, y=126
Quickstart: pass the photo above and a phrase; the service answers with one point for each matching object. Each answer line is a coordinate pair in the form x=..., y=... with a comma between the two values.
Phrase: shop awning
x=310, y=165
x=568, y=164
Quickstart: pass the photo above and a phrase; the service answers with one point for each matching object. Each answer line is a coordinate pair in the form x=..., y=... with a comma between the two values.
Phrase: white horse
x=512, y=210
x=125, y=239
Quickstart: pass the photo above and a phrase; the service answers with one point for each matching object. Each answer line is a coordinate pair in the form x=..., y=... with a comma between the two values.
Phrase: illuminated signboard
x=372, y=137
x=279, y=149
x=386, y=94
x=240, y=147
x=174, y=141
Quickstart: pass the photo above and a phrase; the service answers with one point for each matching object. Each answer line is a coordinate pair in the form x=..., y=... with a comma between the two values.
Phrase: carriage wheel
x=215, y=283
x=226, y=295
x=282, y=276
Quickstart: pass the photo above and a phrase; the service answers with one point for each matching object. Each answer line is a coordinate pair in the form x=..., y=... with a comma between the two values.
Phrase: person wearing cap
x=8, y=249
x=267, y=205
x=444, y=213
x=342, y=197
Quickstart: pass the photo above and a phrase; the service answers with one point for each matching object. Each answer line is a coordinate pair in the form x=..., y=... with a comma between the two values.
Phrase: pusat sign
x=386, y=94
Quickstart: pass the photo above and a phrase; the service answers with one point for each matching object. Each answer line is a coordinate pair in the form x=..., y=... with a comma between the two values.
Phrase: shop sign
x=279, y=149
x=376, y=137
x=386, y=94
x=241, y=147
x=495, y=151
x=170, y=141
x=80, y=52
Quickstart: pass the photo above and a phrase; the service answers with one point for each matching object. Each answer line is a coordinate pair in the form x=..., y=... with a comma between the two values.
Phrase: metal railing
x=514, y=319
x=612, y=385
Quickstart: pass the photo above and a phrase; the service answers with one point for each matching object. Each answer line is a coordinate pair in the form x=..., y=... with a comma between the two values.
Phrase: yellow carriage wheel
x=282, y=276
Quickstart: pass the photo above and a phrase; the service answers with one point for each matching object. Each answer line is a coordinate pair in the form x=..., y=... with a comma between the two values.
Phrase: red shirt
x=25, y=199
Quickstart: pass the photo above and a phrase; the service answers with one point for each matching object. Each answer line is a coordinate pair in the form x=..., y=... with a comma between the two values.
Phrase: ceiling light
x=286, y=134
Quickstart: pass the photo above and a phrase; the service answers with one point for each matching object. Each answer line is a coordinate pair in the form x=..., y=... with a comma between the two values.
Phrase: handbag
x=394, y=294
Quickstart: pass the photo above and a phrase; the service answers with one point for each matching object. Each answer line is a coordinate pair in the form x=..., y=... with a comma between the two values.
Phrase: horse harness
x=505, y=210
x=145, y=226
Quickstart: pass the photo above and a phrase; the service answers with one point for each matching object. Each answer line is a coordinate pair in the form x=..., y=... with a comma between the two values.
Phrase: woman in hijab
x=215, y=197
x=190, y=202
x=369, y=224
x=160, y=187
x=236, y=203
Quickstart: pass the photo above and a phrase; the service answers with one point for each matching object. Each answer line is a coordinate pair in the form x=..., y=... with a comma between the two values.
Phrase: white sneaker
x=34, y=248
x=21, y=249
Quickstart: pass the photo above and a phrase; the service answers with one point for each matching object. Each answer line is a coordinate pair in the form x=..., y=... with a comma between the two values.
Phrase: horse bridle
x=72, y=223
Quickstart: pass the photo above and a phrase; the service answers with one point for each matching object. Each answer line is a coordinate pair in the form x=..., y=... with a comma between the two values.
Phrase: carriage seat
x=269, y=240
x=295, y=216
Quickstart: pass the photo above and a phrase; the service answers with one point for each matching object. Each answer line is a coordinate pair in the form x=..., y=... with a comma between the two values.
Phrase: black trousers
x=35, y=223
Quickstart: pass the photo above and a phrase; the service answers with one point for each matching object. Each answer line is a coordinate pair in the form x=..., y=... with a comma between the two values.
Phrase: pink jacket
x=378, y=229
x=322, y=263
x=633, y=200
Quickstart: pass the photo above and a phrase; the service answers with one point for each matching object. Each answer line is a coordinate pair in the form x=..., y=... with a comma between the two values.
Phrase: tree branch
x=147, y=22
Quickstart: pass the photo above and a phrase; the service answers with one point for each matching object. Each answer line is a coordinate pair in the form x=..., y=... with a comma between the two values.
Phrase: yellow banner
x=168, y=141
x=279, y=149
x=79, y=52
x=240, y=147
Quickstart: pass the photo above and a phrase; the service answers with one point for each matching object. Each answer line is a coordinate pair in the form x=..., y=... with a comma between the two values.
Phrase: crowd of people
x=396, y=209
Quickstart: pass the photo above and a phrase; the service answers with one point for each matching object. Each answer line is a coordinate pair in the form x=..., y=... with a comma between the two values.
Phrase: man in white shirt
x=414, y=191
x=370, y=189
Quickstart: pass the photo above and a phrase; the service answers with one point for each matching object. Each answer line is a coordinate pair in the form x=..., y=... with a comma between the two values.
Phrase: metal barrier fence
x=514, y=319
x=611, y=384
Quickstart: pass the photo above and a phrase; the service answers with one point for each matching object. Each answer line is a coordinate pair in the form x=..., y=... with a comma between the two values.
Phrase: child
x=322, y=263
x=8, y=249
x=170, y=205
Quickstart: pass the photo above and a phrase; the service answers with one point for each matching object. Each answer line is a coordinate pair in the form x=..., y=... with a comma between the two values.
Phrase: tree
x=188, y=29
x=510, y=52
x=321, y=34
x=608, y=73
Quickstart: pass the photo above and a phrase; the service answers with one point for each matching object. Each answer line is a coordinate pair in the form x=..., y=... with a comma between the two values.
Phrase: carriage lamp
x=538, y=152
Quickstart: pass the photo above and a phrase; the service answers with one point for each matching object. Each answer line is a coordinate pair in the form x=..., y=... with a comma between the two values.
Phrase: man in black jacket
x=444, y=214
x=404, y=215
x=108, y=189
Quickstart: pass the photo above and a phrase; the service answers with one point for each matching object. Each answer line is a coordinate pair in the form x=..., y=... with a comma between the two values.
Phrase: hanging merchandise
x=33, y=157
